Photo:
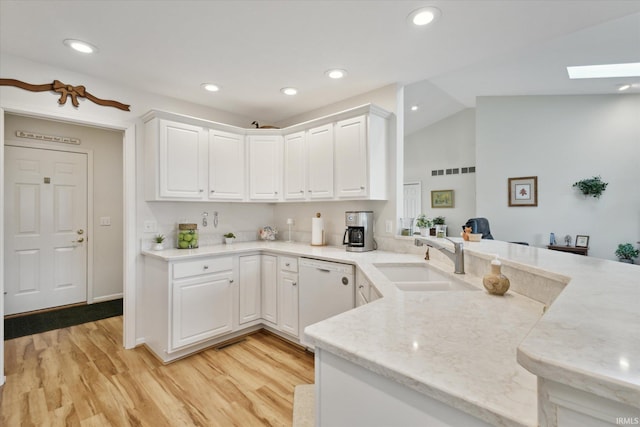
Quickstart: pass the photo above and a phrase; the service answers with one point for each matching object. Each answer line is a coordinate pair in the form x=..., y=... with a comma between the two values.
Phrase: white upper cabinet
x=226, y=166
x=320, y=162
x=295, y=166
x=342, y=156
x=265, y=167
x=176, y=153
x=360, y=158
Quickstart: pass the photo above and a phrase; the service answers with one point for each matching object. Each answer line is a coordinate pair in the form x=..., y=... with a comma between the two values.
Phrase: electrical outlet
x=150, y=226
x=388, y=226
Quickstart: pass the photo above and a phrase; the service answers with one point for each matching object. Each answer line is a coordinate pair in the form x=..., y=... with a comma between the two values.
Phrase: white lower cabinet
x=195, y=303
x=250, y=288
x=288, y=295
x=201, y=309
x=269, y=287
x=201, y=300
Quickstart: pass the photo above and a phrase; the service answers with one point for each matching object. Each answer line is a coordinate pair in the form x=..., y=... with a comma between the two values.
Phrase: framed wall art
x=582, y=241
x=442, y=199
x=523, y=191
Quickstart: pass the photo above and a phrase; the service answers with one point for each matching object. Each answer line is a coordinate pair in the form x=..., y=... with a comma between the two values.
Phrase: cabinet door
x=250, y=292
x=351, y=157
x=265, y=167
x=201, y=309
x=288, y=303
x=182, y=157
x=226, y=166
x=320, y=162
x=294, y=166
x=269, y=280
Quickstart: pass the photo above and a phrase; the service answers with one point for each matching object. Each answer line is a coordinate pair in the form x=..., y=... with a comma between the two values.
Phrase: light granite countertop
x=470, y=349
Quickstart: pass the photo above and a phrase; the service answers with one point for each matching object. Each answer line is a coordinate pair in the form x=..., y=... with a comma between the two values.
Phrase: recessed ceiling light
x=424, y=16
x=604, y=71
x=210, y=87
x=336, y=73
x=80, y=46
x=622, y=88
x=414, y=108
x=289, y=91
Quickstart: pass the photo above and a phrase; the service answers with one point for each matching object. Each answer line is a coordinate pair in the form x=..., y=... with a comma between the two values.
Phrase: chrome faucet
x=457, y=256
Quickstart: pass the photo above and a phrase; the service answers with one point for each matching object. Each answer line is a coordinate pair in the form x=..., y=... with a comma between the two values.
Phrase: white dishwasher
x=326, y=289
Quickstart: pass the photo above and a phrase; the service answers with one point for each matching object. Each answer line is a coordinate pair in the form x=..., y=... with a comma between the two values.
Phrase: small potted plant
x=229, y=237
x=424, y=224
x=626, y=253
x=593, y=187
x=440, y=229
x=159, y=239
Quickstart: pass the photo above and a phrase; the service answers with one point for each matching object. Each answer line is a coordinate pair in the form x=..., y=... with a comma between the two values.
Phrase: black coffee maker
x=359, y=233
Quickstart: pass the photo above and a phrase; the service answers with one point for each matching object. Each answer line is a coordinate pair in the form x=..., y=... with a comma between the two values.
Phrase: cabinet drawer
x=288, y=264
x=201, y=266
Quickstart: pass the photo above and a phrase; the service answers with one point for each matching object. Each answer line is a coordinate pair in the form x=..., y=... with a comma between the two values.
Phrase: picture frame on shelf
x=582, y=241
x=442, y=199
x=523, y=191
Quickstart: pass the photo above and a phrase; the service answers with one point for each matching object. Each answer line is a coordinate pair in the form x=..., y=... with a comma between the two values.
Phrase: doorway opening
x=46, y=207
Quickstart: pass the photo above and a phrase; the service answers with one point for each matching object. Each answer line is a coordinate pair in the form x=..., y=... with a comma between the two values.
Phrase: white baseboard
x=105, y=298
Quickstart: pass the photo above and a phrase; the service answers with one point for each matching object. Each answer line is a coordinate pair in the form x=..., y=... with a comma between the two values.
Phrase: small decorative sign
x=582, y=241
x=523, y=191
x=48, y=138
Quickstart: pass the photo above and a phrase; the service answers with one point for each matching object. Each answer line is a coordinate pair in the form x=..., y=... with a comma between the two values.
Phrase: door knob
x=81, y=231
x=80, y=240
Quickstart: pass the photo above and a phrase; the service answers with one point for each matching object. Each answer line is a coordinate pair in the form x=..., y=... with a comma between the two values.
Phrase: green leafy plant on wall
x=593, y=187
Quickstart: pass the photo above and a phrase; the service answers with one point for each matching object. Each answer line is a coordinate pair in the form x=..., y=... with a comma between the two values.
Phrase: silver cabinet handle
x=361, y=286
x=288, y=264
x=213, y=191
x=362, y=187
x=230, y=280
x=201, y=190
x=206, y=267
x=302, y=191
x=294, y=284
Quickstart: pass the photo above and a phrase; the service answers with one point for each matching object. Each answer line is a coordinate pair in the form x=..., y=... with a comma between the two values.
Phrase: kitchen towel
x=317, y=231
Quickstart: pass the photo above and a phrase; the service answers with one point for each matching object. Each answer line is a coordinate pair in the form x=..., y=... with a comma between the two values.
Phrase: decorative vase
x=424, y=232
x=228, y=240
x=495, y=282
x=158, y=247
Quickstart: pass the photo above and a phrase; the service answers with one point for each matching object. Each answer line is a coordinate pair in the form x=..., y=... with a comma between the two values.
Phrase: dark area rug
x=41, y=322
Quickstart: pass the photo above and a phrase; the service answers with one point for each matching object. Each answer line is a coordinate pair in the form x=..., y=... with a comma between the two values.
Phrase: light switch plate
x=105, y=220
x=388, y=226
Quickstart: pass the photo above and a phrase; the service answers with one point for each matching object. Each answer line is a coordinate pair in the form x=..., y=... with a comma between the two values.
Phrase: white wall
x=107, y=193
x=333, y=212
x=447, y=144
x=561, y=139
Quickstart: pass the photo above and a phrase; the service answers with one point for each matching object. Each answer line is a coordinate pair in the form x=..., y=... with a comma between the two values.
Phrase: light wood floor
x=81, y=376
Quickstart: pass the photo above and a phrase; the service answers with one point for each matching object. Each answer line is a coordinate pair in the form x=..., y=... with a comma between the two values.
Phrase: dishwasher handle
x=324, y=270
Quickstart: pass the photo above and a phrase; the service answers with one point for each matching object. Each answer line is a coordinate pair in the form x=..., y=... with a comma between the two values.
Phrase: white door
x=45, y=229
x=269, y=281
x=412, y=200
x=288, y=303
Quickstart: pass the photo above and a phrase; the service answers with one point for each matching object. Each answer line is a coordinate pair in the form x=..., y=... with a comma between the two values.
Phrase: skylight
x=604, y=71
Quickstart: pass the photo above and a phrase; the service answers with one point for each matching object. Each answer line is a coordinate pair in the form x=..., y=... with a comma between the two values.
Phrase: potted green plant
x=593, y=187
x=440, y=229
x=626, y=253
x=424, y=224
x=229, y=237
x=159, y=239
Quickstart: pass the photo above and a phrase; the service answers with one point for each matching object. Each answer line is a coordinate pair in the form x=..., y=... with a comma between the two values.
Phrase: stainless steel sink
x=413, y=277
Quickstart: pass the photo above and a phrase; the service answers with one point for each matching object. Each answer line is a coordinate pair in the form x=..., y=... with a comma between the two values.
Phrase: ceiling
x=254, y=48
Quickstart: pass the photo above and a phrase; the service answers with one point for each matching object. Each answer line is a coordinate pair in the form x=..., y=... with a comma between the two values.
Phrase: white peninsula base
x=350, y=395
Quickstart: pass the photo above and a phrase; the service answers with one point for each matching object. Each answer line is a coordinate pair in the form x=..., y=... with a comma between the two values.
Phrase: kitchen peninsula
x=469, y=357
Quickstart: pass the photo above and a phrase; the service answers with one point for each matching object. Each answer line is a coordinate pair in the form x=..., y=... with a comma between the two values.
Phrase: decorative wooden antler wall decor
x=65, y=91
